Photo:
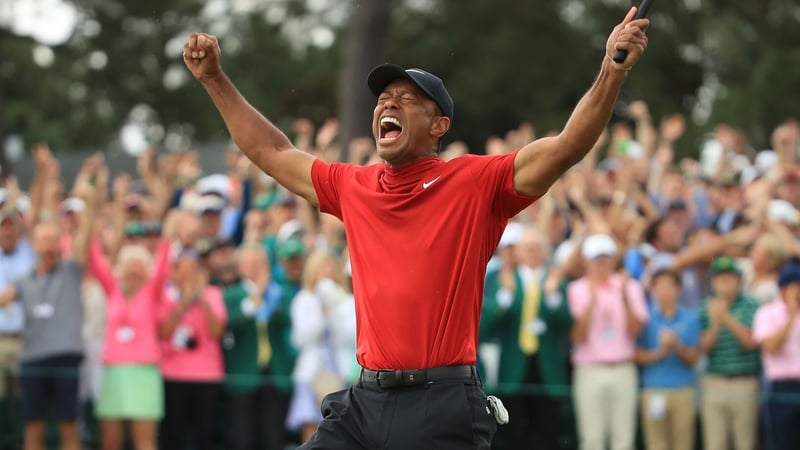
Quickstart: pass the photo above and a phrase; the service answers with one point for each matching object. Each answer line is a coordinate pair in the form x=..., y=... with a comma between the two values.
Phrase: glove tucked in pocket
x=498, y=409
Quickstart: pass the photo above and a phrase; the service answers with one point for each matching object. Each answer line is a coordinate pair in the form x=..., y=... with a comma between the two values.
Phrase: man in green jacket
x=276, y=391
x=253, y=293
x=532, y=330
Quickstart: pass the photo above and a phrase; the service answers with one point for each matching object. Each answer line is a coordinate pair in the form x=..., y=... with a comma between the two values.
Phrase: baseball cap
x=725, y=264
x=783, y=212
x=72, y=205
x=511, y=235
x=429, y=83
x=216, y=184
x=289, y=248
x=598, y=245
x=789, y=273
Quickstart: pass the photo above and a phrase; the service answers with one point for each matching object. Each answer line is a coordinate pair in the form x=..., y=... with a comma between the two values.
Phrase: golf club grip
x=641, y=12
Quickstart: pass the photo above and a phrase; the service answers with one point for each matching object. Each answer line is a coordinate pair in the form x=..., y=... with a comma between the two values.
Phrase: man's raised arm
x=539, y=164
x=259, y=139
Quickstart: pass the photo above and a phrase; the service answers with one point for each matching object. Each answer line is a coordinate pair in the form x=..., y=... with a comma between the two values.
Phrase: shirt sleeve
x=635, y=294
x=217, y=304
x=99, y=267
x=577, y=299
x=497, y=172
x=762, y=328
x=749, y=312
x=162, y=266
x=692, y=337
x=327, y=179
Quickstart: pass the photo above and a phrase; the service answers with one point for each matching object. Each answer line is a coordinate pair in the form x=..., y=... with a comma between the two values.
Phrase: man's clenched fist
x=201, y=54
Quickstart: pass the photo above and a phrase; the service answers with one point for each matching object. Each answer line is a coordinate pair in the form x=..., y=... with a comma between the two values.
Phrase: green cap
x=289, y=248
x=725, y=264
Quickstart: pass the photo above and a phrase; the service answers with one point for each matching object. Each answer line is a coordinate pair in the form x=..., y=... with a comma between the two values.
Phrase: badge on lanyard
x=609, y=334
x=43, y=311
x=125, y=334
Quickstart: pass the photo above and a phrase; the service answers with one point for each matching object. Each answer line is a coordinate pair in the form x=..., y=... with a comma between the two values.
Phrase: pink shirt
x=607, y=340
x=203, y=362
x=131, y=334
x=770, y=318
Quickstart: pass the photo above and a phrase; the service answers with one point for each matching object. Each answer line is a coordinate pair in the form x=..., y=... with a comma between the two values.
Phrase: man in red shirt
x=421, y=233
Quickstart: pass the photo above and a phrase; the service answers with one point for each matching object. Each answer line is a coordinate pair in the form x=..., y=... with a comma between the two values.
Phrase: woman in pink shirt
x=192, y=319
x=609, y=312
x=132, y=387
x=776, y=329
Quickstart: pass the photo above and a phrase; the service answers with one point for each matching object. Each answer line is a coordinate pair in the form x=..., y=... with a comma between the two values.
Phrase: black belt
x=388, y=379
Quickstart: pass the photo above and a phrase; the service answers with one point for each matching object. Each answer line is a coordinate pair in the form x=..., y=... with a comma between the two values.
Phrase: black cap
x=429, y=83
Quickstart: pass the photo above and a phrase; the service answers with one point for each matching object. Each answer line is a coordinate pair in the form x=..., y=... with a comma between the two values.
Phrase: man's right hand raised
x=201, y=54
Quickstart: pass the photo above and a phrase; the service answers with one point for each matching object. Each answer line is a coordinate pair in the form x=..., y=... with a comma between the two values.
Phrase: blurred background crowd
x=647, y=300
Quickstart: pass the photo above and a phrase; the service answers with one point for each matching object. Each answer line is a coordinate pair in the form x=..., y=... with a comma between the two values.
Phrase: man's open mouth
x=390, y=129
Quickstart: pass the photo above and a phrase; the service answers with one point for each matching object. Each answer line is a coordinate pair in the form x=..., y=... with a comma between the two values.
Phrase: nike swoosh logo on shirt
x=429, y=183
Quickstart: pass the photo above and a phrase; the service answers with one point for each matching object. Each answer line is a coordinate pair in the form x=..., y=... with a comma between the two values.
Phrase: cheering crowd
x=216, y=310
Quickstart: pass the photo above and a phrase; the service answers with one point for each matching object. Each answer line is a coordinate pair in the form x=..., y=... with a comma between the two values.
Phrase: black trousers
x=272, y=405
x=783, y=415
x=439, y=415
x=239, y=421
x=189, y=412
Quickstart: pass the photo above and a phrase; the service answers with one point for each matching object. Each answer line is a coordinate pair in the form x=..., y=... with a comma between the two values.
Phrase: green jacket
x=240, y=344
x=502, y=325
x=279, y=330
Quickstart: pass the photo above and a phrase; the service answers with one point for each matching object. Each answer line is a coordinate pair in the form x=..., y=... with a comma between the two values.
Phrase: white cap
x=511, y=235
x=749, y=174
x=72, y=205
x=217, y=184
x=290, y=229
x=766, y=160
x=783, y=211
x=598, y=245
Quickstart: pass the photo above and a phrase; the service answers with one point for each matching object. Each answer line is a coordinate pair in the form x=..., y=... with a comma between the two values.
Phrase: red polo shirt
x=419, y=239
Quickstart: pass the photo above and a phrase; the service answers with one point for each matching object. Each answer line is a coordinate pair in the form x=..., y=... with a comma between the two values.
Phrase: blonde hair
x=776, y=250
x=133, y=252
x=314, y=263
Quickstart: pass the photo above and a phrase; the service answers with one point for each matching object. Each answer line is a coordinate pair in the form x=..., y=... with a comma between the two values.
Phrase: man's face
x=600, y=267
x=403, y=123
x=9, y=233
x=293, y=267
x=222, y=262
x=47, y=244
x=531, y=250
x=726, y=285
x=665, y=290
x=669, y=235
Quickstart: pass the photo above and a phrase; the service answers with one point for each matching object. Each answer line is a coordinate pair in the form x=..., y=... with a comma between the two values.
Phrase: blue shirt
x=670, y=372
x=14, y=266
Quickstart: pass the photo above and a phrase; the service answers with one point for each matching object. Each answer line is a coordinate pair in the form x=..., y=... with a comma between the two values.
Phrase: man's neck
x=42, y=269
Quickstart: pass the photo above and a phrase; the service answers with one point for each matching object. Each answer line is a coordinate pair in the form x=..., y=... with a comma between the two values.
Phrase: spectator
x=766, y=257
x=252, y=291
x=52, y=342
x=277, y=389
x=730, y=386
x=777, y=331
x=668, y=351
x=323, y=331
x=132, y=389
x=17, y=259
x=528, y=326
x=609, y=312
x=192, y=320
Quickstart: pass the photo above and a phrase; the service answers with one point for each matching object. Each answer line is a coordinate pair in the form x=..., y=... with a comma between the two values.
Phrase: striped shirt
x=728, y=357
